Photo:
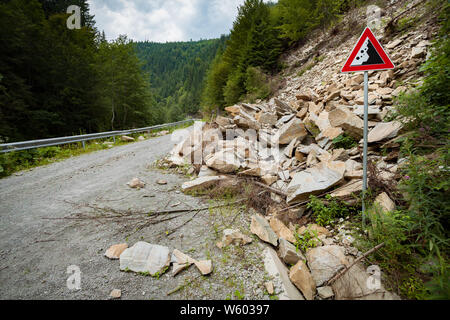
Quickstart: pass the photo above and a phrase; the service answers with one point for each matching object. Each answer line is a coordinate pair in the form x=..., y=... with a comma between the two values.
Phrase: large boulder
x=355, y=284
x=224, y=161
x=291, y=130
x=324, y=262
x=344, y=118
x=315, y=179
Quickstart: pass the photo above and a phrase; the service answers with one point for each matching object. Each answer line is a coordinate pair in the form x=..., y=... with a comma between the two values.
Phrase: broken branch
x=340, y=274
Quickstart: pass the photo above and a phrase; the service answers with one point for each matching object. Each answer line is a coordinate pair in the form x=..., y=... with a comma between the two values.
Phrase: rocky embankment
x=289, y=144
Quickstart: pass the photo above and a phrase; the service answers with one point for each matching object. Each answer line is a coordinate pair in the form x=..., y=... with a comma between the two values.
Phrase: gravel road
x=36, y=251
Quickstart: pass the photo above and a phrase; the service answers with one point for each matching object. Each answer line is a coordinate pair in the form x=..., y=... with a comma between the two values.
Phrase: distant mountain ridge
x=176, y=72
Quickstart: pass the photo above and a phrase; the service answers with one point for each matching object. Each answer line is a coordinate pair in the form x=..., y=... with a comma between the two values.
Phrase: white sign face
x=367, y=55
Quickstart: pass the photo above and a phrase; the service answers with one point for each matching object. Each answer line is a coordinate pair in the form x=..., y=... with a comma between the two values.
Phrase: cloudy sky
x=164, y=20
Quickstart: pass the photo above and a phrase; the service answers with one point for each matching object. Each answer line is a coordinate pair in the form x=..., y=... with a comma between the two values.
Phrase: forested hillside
x=261, y=32
x=176, y=73
x=55, y=81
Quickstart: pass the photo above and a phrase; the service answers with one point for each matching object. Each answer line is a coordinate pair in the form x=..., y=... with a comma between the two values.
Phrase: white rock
x=145, y=257
x=224, y=161
x=315, y=179
x=384, y=130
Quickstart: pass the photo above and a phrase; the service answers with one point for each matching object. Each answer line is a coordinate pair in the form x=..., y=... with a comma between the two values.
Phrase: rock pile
x=289, y=144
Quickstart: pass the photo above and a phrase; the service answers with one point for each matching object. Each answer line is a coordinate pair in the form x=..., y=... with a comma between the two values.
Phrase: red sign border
x=387, y=61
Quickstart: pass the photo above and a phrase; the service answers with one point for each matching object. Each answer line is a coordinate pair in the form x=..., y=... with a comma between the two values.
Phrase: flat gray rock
x=145, y=257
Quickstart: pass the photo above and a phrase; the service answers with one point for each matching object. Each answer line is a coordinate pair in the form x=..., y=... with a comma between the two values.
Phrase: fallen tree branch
x=129, y=215
x=183, y=224
x=340, y=274
x=276, y=191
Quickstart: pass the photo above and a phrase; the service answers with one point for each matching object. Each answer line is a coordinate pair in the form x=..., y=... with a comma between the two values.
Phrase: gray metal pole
x=366, y=125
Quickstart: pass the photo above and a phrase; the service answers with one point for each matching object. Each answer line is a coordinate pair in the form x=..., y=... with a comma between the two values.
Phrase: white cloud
x=164, y=20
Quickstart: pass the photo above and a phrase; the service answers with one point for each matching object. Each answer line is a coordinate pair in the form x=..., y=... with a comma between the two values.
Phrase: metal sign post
x=366, y=55
x=366, y=129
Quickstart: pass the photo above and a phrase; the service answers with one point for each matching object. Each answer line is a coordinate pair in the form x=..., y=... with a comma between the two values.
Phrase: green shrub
x=344, y=141
x=426, y=185
x=325, y=213
x=307, y=240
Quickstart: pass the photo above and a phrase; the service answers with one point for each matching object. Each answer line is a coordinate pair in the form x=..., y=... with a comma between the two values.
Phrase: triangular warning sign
x=367, y=55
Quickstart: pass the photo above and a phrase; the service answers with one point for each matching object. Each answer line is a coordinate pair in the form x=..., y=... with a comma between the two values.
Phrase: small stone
x=269, y=287
x=127, y=139
x=205, y=266
x=161, y=182
x=115, y=251
x=136, y=183
x=116, y=294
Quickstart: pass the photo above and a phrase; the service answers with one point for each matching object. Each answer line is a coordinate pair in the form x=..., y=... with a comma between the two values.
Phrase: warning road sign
x=367, y=55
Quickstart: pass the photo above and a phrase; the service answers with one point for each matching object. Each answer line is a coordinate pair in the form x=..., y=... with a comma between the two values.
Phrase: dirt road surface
x=37, y=246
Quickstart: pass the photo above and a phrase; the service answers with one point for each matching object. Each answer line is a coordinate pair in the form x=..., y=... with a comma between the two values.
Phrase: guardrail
x=32, y=144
